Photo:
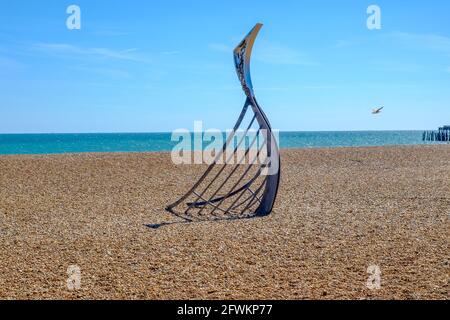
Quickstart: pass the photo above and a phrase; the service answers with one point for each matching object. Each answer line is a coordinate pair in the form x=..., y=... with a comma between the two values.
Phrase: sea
x=157, y=142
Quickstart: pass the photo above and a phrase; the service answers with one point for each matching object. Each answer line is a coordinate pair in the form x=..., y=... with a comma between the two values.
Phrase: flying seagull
x=377, y=111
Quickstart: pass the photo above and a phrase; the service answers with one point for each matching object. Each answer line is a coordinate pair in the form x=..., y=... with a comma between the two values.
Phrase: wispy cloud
x=10, y=64
x=110, y=33
x=295, y=88
x=433, y=42
x=220, y=47
x=397, y=66
x=283, y=55
x=170, y=53
x=272, y=54
x=105, y=72
x=71, y=51
x=344, y=44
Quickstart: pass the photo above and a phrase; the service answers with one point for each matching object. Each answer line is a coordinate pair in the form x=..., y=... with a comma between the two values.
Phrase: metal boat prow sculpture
x=247, y=187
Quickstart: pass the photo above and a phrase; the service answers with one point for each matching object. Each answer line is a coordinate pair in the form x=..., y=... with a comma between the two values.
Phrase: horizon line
x=170, y=132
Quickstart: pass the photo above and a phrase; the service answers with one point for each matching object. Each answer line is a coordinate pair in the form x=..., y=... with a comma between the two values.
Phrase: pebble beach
x=339, y=212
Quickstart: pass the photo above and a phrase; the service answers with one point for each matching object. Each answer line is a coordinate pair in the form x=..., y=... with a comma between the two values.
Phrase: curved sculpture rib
x=260, y=188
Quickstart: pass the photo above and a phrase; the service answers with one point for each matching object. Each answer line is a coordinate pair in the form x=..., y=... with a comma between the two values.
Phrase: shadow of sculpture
x=184, y=220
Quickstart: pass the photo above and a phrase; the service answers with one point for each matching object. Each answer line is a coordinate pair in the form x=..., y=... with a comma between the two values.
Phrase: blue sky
x=143, y=66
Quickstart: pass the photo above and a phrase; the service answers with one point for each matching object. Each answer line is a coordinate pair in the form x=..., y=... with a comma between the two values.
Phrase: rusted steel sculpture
x=248, y=187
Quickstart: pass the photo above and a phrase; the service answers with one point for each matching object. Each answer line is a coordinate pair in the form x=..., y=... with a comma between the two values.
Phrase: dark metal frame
x=268, y=172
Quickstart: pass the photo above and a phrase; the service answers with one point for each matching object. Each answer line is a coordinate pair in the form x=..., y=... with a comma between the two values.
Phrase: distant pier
x=441, y=135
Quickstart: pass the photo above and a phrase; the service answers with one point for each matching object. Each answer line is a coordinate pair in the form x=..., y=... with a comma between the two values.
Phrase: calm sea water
x=139, y=142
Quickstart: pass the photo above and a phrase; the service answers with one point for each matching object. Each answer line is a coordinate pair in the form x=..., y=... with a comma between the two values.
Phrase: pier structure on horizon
x=441, y=135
